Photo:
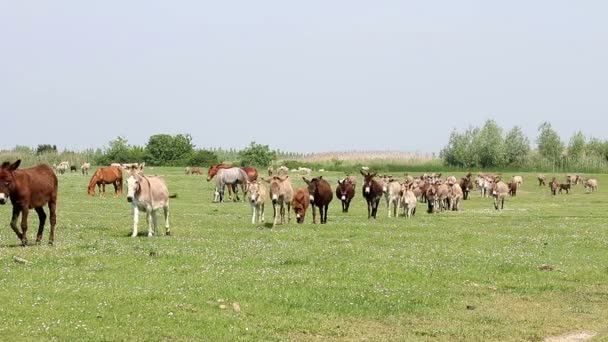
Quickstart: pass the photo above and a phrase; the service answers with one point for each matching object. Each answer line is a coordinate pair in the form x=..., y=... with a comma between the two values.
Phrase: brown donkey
x=320, y=196
x=29, y=188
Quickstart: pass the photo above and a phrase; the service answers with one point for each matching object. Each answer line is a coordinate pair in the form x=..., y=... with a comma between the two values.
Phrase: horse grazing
x=148, y=193
x=345, y=191
x=106, y=175
x=29, y=188
x=372, y=192
x=232, y=177
x=320, y=196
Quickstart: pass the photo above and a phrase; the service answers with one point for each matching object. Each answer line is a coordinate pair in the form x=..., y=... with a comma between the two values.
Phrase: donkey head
x=7, y=184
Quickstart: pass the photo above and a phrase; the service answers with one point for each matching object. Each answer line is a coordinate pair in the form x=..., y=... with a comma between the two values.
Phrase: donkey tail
x=173, y=196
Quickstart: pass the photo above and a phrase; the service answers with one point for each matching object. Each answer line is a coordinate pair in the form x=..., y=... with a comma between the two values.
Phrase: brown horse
x=106, y=175
x=29, y=188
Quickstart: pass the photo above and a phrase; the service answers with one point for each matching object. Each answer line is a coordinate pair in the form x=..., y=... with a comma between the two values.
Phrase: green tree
x=203, y=158
x=550, y=145
x=169, y=150
x=597, y=148
x=489, y=145
x=256, y=154
x=459, y=151
x=517, y=147
x=576, y=147
x=46, y=148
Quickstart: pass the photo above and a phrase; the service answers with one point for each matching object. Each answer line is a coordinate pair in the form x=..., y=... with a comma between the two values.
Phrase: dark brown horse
x=106, y=175
x=29, y=188
x=372, y=192
x=320, y=196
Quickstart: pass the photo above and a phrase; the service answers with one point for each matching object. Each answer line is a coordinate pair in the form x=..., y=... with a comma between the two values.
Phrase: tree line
x=490, y=147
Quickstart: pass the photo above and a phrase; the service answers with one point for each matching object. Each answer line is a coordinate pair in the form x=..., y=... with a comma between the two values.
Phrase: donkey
x=148, y=193
x=257, y=196
x=281, y=194
x=345, y=191
x=29, y=188
x=320, y=196
x=372, y=192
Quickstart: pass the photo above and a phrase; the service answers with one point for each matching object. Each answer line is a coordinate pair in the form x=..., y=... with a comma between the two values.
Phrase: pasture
x=538, y=268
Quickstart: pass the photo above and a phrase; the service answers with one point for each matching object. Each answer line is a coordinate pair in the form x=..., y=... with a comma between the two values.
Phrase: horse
x=85, y=168
x=232, y=176
x=29, y=188
x=148, y=193
x=106, y=175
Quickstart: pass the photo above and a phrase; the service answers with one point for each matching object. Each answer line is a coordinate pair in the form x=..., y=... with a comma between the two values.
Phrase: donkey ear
x=15, y=165
x=373, y=174
x=362, y=173
x=306, y=180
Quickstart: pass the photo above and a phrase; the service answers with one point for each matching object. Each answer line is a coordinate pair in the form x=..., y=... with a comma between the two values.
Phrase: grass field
x=470, y=275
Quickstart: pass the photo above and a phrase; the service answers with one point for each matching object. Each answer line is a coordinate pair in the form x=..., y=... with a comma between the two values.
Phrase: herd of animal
x=35, y=187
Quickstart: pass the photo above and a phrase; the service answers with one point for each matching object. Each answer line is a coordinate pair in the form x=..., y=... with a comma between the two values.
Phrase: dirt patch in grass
x=572, y=337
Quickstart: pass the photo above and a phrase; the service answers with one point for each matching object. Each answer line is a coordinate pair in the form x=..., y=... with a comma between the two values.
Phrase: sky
x=303, y=76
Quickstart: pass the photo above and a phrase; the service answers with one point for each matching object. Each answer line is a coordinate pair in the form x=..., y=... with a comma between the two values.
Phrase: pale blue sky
x=302, y=76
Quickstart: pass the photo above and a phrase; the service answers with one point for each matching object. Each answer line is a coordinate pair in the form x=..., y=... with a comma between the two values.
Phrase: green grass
x=354, y=278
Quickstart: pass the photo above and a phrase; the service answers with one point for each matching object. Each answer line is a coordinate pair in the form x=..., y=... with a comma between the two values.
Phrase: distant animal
x=304, y=171
x=431, y=198
x=591, y=184
x=281, y=194
x=320, y=196
x=466, y=184
x=394, y=198
x=518, y=180
x=513, y=189
x=408, y=201
x=30, y=188
x=252, y=175
x=116, y=165
x=84, y=168
x=282, y=170
x=443, y=197
x=299, y=203
x=233, y=176
x=106, y=175
x=63, y=167
x=573, y=179
x=257, y=198
x=193, y=171
x=372, y=192
x=455, y=196
x=554, y=186
x=541, y=179
x=73, y=168
x=499, y=193
x=148, y=194
x=345, y=191
x=214, y=169
x=270, y=170
x=564, y=187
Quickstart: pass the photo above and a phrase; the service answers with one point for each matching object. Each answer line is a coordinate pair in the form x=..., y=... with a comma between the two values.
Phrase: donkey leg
x=53, y=215
x=288, y=212
x=151, y=222
x=135, y=220
x=314, y=214
x=253, y=213
x=42, y=219
x=24, y=214
x=16, y=212
x=166, y=213
x=261, y=213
